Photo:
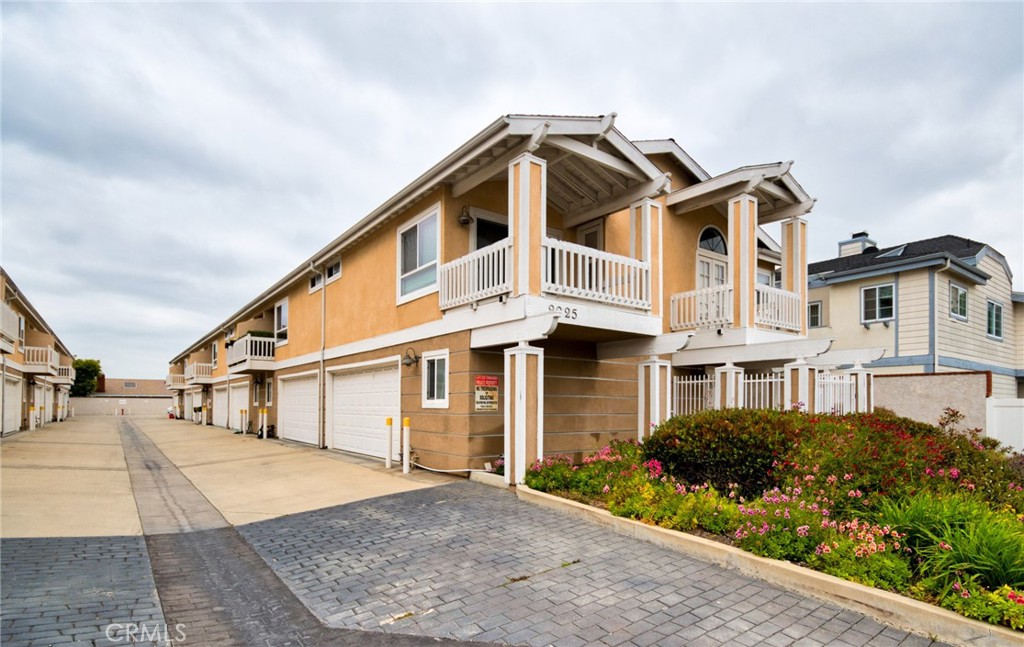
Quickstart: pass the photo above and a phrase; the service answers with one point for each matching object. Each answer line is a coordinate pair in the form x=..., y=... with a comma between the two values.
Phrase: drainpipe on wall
x=321, y=376
x=934, y=327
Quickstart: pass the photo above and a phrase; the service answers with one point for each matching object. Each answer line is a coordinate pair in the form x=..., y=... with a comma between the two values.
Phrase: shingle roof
x=955, y=246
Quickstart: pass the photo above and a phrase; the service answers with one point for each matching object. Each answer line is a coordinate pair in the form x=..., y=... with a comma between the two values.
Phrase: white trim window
x=255, y=394
x=333, y=271
x=21, y=331
x=435, y=379
x=418, y=245
x=213, y=354
x=814, y=315
x=994, y=326
x=270, y=392
x=281, y=322
x=957, y=301
x=316, y=282
x=877, y=303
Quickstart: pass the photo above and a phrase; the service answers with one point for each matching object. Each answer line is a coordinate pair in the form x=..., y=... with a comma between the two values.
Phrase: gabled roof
x=962, y=253
x=14, y=293
x=779, y=195
x=670, y=147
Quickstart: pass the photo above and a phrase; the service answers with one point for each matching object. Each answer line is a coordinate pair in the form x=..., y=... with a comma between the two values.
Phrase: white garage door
x=220, y=407
x=296, y=414
x=239, y=401
x=361, y=403
x=12, y=406
x=188, y=407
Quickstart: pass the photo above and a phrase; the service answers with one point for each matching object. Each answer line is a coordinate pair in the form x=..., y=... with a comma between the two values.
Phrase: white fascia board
x=629, y=150
x=526, y=124
x=590, y=314
x=780, y=351
x=769, y=242
x=670, y=147
x=848, y=356
x=785, y=213
x=737, y=337
x=645, y=347
x=731, y=178
x=597, y=156
x=511, y=332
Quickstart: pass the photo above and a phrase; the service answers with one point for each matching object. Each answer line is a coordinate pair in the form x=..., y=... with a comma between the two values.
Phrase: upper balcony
x=714, y=307
x=567, y=269
x=175, y=381
x=41, y=359
x=199, y=373
x=251, y=353
x=65, y=375
x=9, y=325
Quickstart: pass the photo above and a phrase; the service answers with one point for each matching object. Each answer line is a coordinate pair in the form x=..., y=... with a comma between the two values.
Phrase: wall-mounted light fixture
x=464, y=218
x=410, y=357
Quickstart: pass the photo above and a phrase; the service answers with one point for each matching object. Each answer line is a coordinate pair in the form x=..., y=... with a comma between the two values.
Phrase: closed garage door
x=220, y=407
x=296, y=414
x=239, y=401
x=361, y=402
x=188, y=407
x=12, y=406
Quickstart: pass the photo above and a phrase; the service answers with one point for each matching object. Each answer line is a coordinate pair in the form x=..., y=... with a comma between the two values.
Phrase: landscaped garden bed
x=932, y=513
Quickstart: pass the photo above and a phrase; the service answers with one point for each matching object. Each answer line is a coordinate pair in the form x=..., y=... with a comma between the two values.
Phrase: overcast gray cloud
x=164, y=163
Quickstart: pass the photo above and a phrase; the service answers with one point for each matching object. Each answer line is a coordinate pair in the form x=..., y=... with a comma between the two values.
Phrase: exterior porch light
x=410, y=357
x=464, y=218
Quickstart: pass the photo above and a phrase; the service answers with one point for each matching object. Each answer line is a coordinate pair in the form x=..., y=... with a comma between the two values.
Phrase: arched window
x=712, y=240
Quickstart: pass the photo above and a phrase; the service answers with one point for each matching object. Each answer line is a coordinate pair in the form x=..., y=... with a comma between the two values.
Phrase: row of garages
x=28, y=405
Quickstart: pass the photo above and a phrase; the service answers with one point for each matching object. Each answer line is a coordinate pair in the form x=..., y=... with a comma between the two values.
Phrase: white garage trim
x=220, y=407
x=360, y=398
x=298, y=409
x=238, y=399
x=12, y=405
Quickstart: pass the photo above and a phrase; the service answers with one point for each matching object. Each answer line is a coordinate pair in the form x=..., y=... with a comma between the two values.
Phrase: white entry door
x=220, y=407
x=239, y=402
x=360, y=404
x=297, y=409
x=12, y=406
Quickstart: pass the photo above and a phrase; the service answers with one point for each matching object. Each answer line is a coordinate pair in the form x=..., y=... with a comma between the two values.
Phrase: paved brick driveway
x=471, y=562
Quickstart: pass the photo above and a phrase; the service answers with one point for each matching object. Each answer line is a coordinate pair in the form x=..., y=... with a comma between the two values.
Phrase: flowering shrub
x=1004, y=606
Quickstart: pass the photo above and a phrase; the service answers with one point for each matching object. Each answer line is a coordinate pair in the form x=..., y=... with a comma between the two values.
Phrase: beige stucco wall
x=94, y=406
x=841, y=316
x=923, y=397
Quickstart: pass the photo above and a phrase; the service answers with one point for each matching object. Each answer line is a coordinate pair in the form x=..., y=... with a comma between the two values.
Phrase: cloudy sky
x=163, y=163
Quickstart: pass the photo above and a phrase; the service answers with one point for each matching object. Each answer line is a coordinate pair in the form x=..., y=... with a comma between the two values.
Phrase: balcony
x=41, y=359
x=8, y=328
x=175, y=381
x=250, y=354
x=710, y=308
x=199, y=374
x=567, y=269
x=65, y=375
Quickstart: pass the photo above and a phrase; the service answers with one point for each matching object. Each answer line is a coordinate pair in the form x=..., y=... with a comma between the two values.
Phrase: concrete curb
x=889, y=608
x=486, y=478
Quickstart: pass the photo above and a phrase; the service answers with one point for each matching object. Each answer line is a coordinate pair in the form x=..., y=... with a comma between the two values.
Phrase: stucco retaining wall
x=923, y=396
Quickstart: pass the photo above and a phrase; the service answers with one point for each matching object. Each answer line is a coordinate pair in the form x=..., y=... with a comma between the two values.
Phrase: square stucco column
x=798, y=386
x=794, y=263
x=645, y=244
x=743, y=258
x=654, y=401
x=863, y=388
x=527, y=220
x=729, y=387
x=524, y=410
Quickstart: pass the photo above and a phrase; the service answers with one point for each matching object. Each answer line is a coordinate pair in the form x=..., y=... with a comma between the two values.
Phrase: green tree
x=86, y=373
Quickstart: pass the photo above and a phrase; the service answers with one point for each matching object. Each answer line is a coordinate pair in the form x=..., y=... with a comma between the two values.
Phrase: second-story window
x=878, y=303
x=994, y=326
x=417, y=251
x=281, y=322
x=814, y=314
x=213, y=354
x=333, y=271
x=957, y=301
x=315, y=282
x=21, y=329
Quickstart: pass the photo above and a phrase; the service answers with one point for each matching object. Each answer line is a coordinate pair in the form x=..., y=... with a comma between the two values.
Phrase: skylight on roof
x=893, y=252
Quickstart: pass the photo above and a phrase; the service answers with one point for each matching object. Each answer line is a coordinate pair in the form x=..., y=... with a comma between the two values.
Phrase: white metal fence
x=777, y=308
x=249, y=347
x=763, y=391
x=578, y=271
x=692, y=393
x=700, y=309
x=487, y=272
x=834, y=393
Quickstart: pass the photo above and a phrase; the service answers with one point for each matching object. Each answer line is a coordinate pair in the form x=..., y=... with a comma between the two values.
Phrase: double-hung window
x=995, y=320
x=417, y=257
x=814, y=314
x=878, y=303
x=333, y=271
x=957, y=302
x=213, y=354
x=281, y=322
x=435, y=379
x=315, y=282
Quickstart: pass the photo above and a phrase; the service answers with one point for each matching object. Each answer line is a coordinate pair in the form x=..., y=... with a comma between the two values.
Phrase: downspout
x=321, y=376
x=934, y=328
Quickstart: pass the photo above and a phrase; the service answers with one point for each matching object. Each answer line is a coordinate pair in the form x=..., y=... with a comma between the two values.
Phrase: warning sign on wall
x=486, y=393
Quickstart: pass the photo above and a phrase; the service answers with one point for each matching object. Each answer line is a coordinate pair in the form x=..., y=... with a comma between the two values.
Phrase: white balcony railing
x=42, y=357
x=702, y=309
x=251, y=348
x=484, y=273
x=175, y=381
x=8, y=322
x=777, y=308
x=66, y=372
x=198, y=372
x=578, y=271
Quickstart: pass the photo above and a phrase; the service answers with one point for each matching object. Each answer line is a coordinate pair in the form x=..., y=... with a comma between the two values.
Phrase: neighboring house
x=37, y=366
x=118, y=396
x=548, y=287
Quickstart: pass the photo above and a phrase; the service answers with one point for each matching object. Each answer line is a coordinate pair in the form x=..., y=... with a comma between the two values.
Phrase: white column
x=654, y=402
x=524, y=410
x=863, y=388
x=799, y=385
x=743, y=258
x=794, y=263
x=728, y=387
x=645, y=244
x=527, y=222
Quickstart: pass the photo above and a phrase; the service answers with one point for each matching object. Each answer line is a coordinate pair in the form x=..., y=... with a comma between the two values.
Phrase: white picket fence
x=834, y=393
x=692, y=393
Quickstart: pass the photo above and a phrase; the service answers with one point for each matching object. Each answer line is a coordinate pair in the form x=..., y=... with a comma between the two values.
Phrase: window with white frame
x=281, y=322
x=213, y=354
x=418, y=243
x=21, y=329
x=957, y=301
x=315, y=282
x=435, y=379
x=255, y=394
x=333, y=271
x=814, y=315
x=995, y=320
x=877, y=303
x=270, y=392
